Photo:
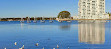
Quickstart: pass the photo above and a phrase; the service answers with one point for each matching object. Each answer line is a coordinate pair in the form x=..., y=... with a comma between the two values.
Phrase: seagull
x=4, y=48
x=15, y=43
x=43, y=48
x=37, y=44
x=22, y=47
x=57, y=46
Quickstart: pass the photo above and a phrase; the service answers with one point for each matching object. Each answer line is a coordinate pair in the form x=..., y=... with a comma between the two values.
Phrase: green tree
x=64, y=14
x=110, y=14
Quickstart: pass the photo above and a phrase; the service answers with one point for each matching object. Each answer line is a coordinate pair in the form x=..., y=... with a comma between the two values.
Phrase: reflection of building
x=92, y=32
x=92, y=9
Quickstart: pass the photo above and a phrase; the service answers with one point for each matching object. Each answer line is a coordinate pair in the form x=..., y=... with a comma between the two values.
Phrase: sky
x=40, y=8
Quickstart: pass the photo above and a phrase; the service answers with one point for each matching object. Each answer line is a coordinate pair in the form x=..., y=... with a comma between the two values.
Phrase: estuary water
x=75, y=35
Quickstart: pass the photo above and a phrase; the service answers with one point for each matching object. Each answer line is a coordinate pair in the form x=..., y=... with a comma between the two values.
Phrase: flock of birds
x=37, y=44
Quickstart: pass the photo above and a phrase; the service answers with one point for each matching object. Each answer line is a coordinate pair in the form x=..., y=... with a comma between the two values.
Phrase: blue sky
x=39, y=8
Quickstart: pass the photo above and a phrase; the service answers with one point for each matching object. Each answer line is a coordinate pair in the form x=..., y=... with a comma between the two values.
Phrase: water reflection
x=65, y=27
x=22, y=25
x=92, y=32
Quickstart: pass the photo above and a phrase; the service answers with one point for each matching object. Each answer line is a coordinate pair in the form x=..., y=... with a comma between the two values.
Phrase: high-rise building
x=92, y=9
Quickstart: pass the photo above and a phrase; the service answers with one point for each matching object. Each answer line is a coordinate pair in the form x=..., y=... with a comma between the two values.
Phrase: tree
x=110, y=14
x=64, y=14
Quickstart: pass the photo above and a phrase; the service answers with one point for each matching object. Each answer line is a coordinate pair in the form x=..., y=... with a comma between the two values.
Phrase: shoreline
x=40, y=18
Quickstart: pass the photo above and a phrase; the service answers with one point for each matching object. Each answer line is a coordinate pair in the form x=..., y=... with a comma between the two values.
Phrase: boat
x=69, y=21
x=51, y=20
x=43, y=20
x=22, y=20
x=35, y=20
x=28, y=20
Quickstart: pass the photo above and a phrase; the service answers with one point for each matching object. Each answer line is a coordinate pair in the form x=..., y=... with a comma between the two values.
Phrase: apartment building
x=92, y=9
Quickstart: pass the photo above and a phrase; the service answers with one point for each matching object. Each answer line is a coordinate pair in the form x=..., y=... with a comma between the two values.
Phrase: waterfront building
x=92, y=32
x=92, y=9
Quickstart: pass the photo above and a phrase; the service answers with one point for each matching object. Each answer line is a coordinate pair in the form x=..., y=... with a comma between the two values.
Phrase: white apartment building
x=92, y=9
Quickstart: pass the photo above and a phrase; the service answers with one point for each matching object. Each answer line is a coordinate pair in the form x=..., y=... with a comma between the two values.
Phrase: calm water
x=75, y=35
